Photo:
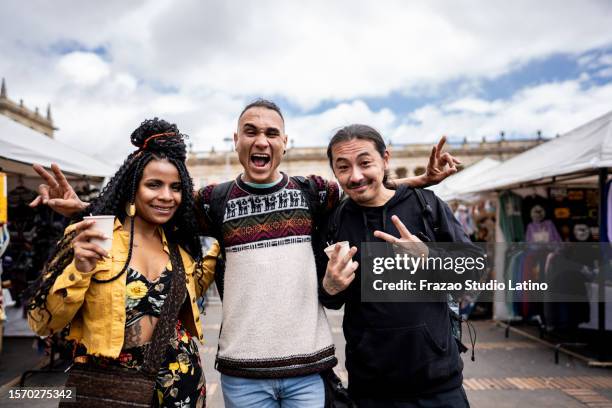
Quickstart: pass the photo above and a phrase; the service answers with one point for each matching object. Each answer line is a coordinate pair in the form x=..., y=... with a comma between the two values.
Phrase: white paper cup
x=104, y=224
x=343, y=250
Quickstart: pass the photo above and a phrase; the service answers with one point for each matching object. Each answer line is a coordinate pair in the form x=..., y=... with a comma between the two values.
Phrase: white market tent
x=582, y=150
x=21, y=146
x=453, y=187
x=581, y=155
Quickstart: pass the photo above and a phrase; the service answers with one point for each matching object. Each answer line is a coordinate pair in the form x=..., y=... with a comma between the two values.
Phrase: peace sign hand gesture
x=57, y=193
x=407, y=242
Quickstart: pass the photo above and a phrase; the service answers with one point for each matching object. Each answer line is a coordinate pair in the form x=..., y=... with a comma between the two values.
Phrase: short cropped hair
x=263, y=103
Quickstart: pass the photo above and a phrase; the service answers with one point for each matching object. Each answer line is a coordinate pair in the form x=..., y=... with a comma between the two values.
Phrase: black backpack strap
x=311, y=193
x=218, y=201
x=313, y=200
x=216, y=211
x=431, y=228
x=335, y=221
x=429, y=219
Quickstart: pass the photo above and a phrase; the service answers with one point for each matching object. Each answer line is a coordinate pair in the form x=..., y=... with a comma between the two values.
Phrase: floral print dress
x=180, y=381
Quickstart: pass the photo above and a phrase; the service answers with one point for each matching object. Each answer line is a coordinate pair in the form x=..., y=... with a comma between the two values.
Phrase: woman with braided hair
x=113, y=300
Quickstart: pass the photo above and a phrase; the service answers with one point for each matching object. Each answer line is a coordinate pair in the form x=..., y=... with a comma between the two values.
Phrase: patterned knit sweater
x=273, y=324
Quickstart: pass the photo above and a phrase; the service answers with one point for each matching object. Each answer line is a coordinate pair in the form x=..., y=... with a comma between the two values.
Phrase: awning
x=22, y=146
x=584, y=149
x=452, y=188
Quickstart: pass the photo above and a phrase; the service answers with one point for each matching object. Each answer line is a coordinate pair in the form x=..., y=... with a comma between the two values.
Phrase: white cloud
x=83, y=68
x=474, y=105
x=173, y=104
x=316, y=130
x=341, y=50
x=552, y=108
x=605, y=59
x=605, y=73
x=125, y=81
x=197, y=63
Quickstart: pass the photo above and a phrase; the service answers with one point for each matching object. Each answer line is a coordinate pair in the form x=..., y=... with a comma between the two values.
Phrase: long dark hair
x=156, y=139
x=361, y=132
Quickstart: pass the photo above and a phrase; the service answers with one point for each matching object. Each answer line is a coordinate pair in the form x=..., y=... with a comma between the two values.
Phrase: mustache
x=357, y=185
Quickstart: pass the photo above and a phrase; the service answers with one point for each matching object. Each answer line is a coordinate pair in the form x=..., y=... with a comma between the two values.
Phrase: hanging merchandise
x=463, y=215
x=3, y=199
x=511, y=221
x=483, y=215
x=5, y=240
x=533, y=202
x=606, y=217
x=87, y=192
x=33, y=233
x=567, y=275
x=523, y=264
x=539, y=228
x=575, y=213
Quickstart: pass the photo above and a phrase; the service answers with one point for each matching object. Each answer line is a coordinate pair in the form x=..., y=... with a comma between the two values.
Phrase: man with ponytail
x=275, y=339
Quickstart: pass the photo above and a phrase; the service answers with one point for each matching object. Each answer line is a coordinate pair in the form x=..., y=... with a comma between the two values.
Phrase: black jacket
x=396, y=351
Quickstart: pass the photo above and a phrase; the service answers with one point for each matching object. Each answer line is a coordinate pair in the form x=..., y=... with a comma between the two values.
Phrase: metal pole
x=601, y=281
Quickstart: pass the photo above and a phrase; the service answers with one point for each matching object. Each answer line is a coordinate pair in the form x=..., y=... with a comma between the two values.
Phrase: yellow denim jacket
x=96, y=311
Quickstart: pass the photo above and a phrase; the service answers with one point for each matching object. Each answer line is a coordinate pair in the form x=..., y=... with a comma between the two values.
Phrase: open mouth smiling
x=260, y=159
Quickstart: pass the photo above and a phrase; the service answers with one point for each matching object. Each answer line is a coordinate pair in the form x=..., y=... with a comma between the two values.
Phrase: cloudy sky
x=415, y=70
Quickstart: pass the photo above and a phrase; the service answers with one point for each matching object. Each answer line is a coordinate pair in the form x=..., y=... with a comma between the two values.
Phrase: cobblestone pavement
x=507, y=372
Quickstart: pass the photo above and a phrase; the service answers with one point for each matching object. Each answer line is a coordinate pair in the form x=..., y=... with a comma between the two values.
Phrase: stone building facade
x=21, y=114
x=406, y=160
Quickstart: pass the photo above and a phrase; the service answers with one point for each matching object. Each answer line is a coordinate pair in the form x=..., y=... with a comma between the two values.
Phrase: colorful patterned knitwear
x=273, y=324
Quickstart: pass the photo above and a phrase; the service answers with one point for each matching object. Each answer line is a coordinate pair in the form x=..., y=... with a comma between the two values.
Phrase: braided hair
x=164, y=328
x=156, y=139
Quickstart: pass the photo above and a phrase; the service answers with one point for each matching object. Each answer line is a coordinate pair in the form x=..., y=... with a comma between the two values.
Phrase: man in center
x=273, y=324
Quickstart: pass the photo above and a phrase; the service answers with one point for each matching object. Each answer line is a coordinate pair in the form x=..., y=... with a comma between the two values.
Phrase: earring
x=131, y=210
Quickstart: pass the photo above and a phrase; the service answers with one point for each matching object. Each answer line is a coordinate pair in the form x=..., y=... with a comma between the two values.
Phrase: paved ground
x=513, y=372
x=517, y=372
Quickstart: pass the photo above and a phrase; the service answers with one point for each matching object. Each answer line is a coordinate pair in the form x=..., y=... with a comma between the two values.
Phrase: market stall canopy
x=22, y=146
x=454, y=186
x=586, y=148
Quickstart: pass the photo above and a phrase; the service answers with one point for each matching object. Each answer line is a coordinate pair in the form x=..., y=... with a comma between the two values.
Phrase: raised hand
x=86, y=254
x=58, y=194
x=406, y=242
x=340, y=270
x=441, y=165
